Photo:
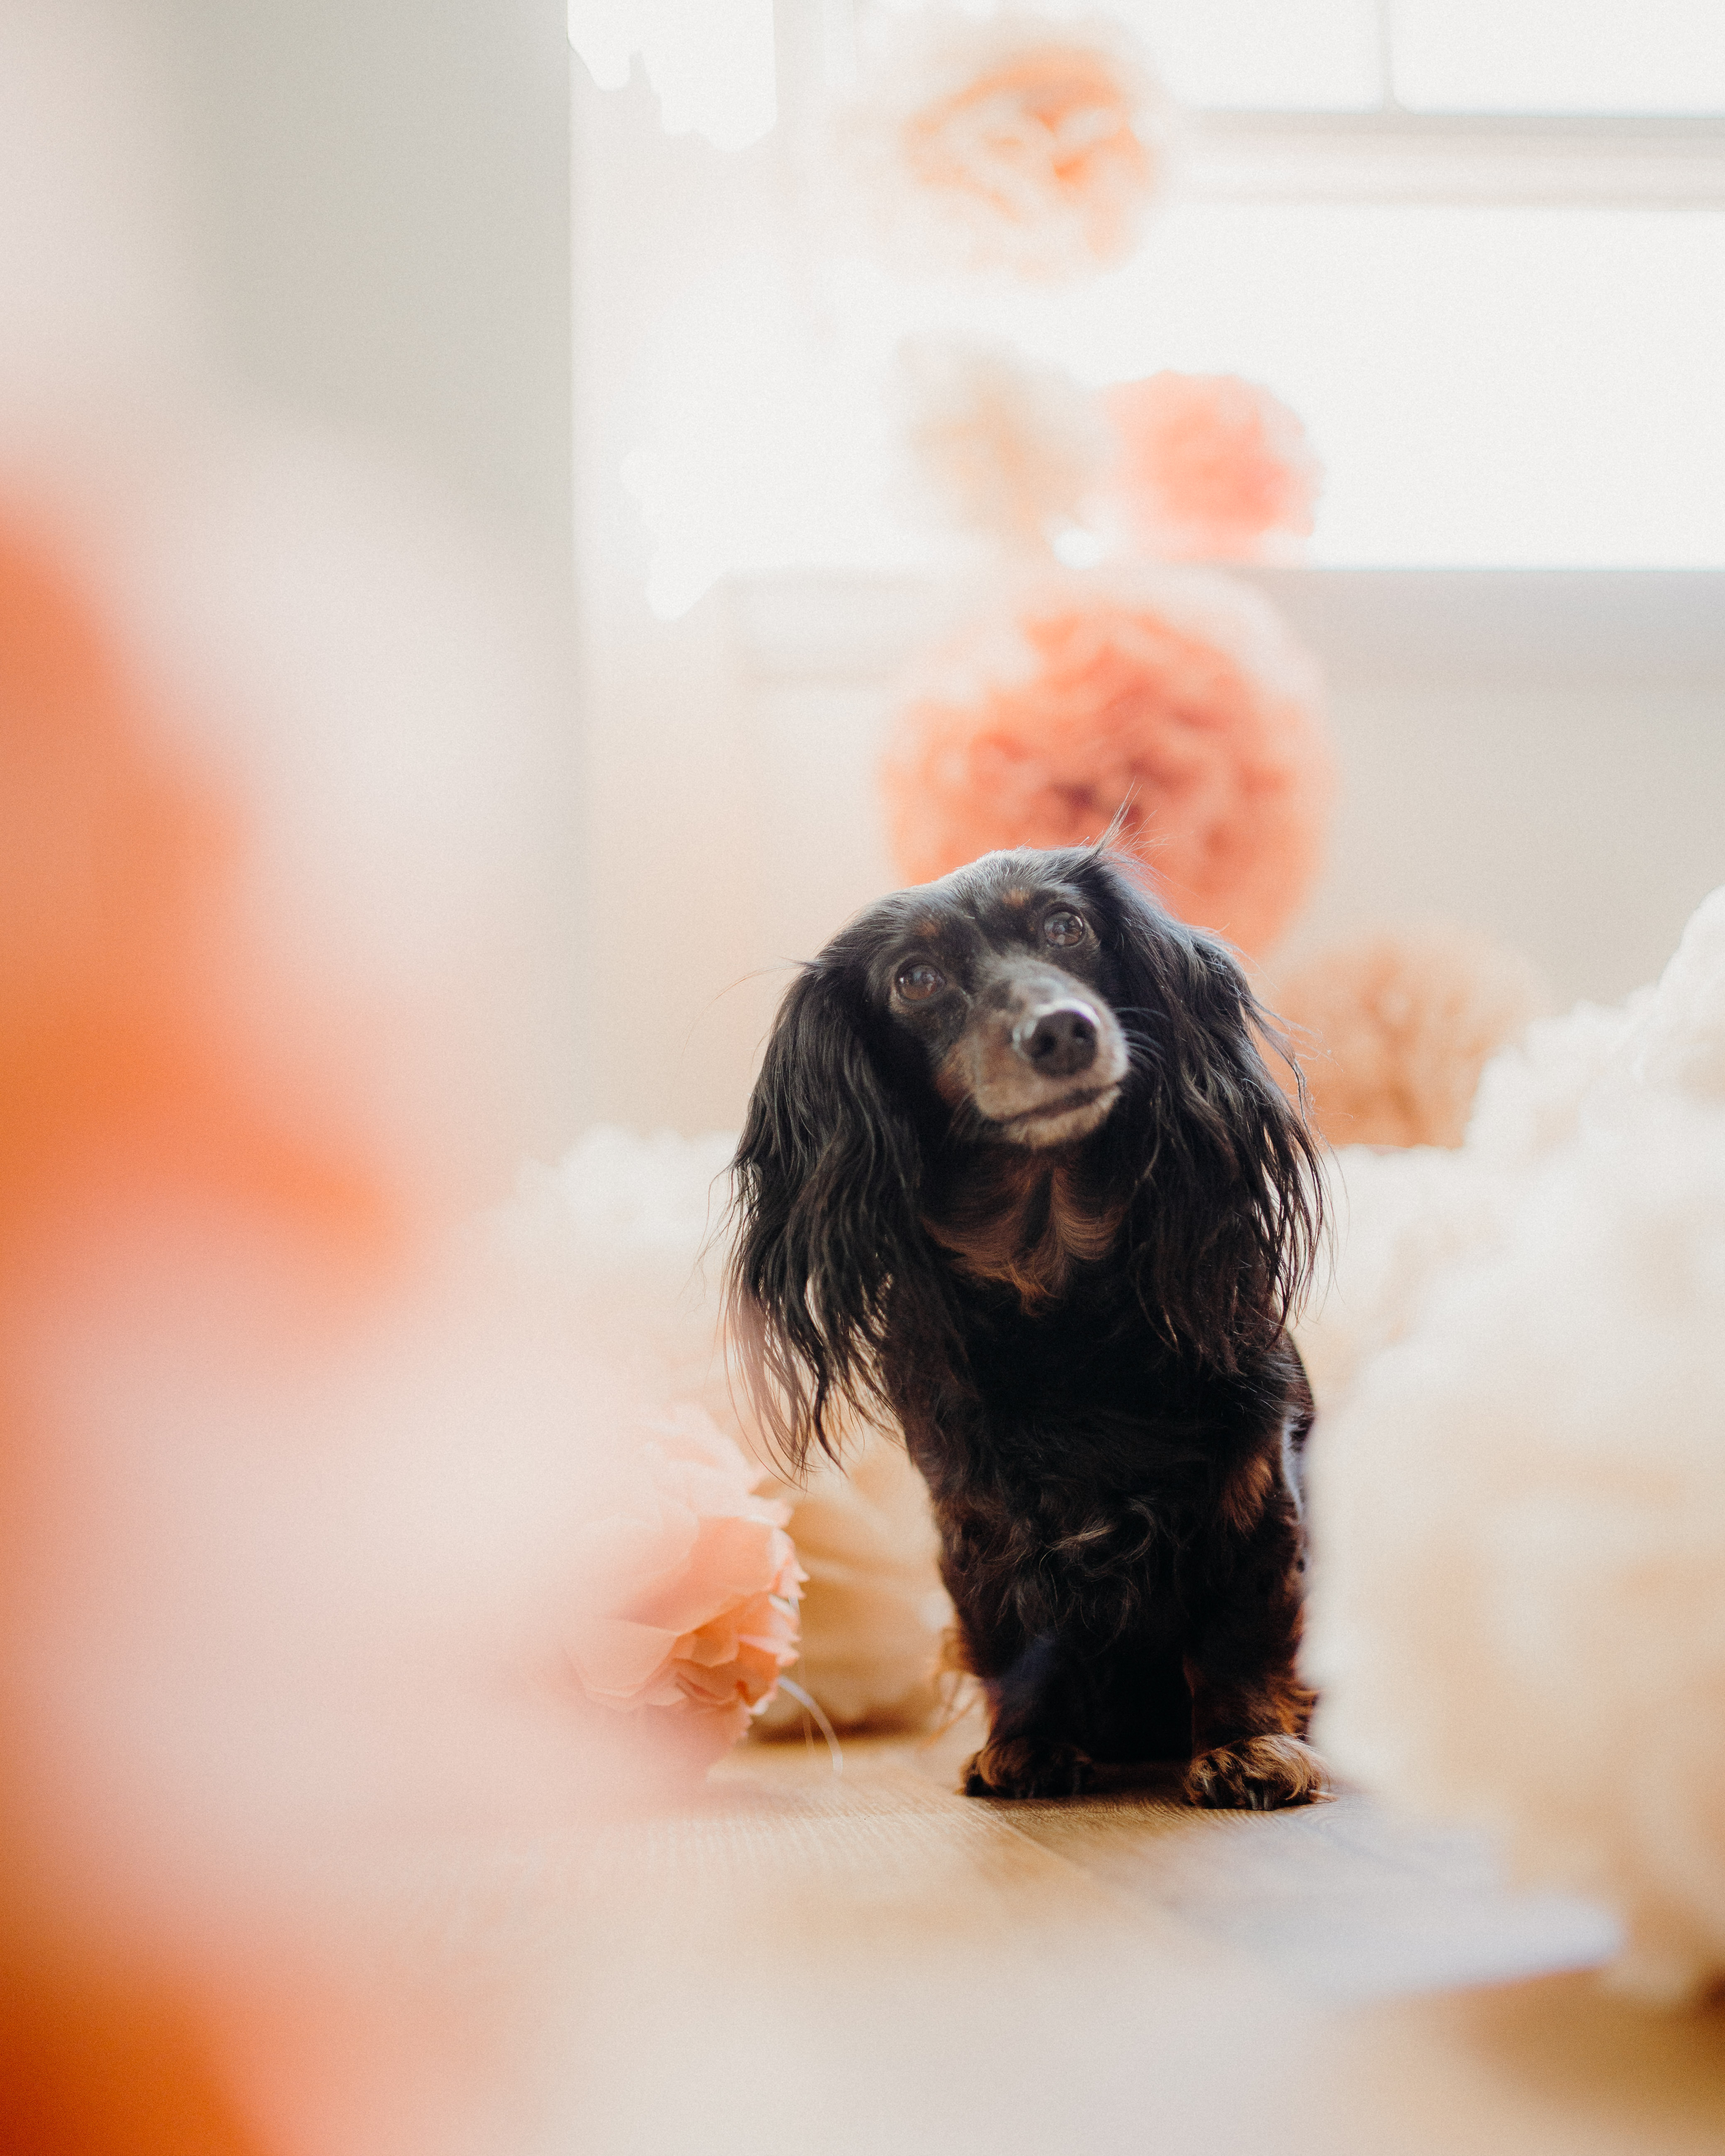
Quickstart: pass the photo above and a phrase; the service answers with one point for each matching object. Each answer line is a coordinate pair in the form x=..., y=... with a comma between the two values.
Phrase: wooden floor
x=867, y=1962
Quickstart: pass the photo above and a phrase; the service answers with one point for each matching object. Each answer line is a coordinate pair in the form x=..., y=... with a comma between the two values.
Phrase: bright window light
x=1533, y=56
x=1619, y=56
x=1487, y=387
x=1488, y=383
x=1320, y=55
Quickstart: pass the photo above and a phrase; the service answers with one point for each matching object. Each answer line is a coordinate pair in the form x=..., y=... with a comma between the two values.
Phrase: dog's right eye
x=917, y=983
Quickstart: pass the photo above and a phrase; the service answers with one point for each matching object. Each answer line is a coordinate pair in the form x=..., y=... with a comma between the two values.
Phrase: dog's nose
x=1059, y=1042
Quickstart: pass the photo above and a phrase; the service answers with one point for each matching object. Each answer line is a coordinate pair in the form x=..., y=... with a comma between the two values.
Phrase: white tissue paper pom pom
x=1004, y=448
x=1518, y=1492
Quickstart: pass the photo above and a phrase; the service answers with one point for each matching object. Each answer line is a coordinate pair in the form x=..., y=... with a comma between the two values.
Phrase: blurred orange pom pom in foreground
x=112, y=1079
x=1177, y=702
x=303, y=1497
x=115, y=882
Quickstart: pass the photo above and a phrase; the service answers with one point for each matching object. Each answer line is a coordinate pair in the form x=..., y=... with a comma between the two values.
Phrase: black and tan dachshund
x=1015, y=1171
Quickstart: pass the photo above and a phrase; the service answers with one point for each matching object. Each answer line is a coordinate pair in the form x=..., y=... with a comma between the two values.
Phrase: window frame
x=1394, y=156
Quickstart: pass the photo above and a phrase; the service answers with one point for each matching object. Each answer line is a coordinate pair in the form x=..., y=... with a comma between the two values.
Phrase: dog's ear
x=825, y=1219
x=1227, y=1219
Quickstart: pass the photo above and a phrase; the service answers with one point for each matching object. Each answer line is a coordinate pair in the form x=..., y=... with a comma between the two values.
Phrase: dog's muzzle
x=1042, y=1060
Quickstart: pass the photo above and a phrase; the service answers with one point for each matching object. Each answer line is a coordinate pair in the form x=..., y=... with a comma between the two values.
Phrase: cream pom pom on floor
x=1517, y=1479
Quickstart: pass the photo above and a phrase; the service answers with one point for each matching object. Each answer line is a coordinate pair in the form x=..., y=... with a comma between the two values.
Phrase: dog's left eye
x=1064, y=928
x=917, y=983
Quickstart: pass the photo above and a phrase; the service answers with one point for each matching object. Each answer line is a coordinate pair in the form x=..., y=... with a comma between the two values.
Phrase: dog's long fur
x=1015, y=1173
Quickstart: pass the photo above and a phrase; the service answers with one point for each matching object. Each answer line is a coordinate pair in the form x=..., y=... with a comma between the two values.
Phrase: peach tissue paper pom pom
x=1393, y=1030
x=1209, y=467
x=1006, y=448
x=1015, y=144
x=1177, y=701
x=691, y=1585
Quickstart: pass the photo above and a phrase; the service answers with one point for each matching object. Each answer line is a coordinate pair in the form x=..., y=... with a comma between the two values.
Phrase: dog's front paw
x=1023, y=1767
x=1258, y=1775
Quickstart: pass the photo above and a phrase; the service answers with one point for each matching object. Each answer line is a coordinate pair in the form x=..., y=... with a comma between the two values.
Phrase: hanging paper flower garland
x=1014, y=144
x=1036, y=145
x=1177, y=701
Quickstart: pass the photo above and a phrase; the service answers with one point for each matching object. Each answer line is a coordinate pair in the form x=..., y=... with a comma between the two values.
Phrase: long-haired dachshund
x=1014, y=1170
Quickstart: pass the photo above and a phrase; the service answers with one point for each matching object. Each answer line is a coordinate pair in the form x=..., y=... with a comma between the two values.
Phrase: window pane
x=1560, y=55
x=1287, y=54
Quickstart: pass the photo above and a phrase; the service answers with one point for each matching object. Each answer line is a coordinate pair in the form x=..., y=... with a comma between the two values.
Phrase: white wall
x=381, y=193
x=1540, y=754
x=377, y=194
x=674, y=845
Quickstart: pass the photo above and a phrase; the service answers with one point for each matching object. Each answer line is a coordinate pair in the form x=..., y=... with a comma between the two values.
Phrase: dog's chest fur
x=1082, y=1455
x=1024, y=1224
